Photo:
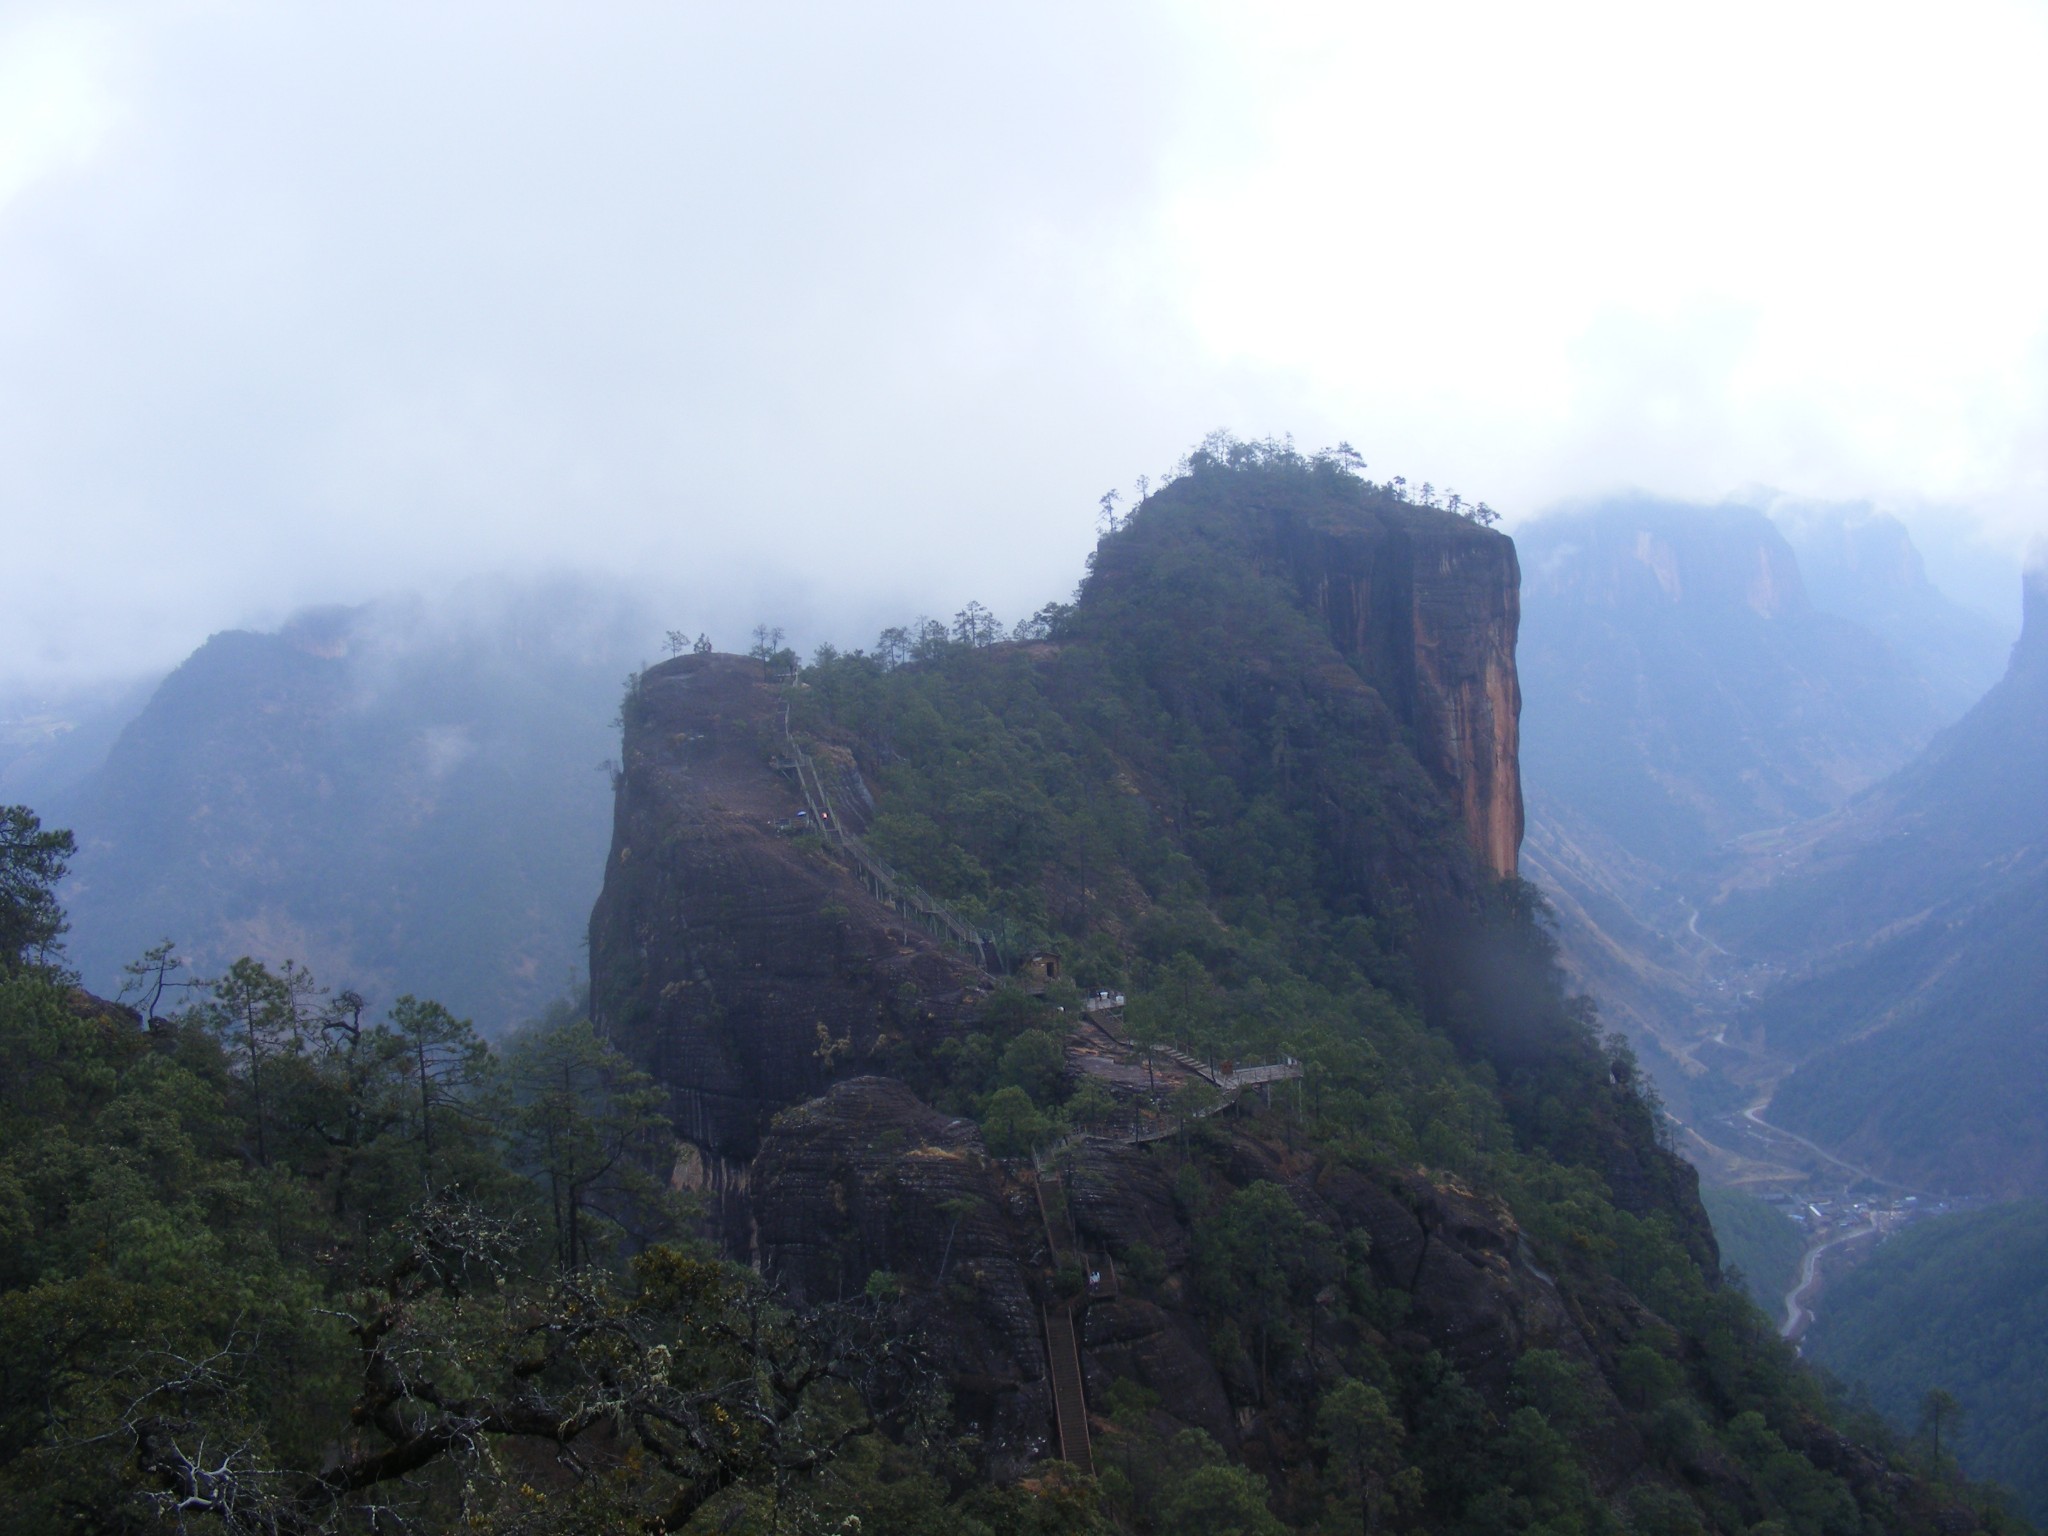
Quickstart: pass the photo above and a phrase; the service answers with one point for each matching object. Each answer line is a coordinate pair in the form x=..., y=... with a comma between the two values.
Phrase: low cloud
x=826, y=318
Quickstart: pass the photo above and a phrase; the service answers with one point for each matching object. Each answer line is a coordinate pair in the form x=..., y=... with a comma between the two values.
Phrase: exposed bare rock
x=733, y=957
x=1123, y=1195
x=869, y=1179
x=1163, y=1351
x=1428, y=608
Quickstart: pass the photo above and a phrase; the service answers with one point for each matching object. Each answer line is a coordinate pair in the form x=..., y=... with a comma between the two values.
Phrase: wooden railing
x=1284, y=1070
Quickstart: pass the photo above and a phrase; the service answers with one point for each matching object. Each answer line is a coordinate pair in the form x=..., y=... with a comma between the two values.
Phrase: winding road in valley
x=1692, y=926
x=1755, y=1116
x=1797, y=1313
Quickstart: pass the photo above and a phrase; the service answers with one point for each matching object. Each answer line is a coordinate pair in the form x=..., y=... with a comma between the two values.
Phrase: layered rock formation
x=1428, y=608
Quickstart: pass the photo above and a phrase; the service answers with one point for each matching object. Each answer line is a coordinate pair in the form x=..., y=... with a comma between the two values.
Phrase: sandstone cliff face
x=1428, y=607
x=753, y=975
x=868, y=1179
x=733, y=959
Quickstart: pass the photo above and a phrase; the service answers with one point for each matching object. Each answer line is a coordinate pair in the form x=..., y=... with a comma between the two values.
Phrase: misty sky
x=823, y=314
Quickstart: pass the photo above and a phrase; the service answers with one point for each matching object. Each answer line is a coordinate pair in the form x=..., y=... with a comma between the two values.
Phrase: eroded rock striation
x=1428, y=609
x=867, y=1179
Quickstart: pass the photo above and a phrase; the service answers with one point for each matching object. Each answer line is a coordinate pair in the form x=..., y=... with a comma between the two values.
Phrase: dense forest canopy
x=1959, y=1305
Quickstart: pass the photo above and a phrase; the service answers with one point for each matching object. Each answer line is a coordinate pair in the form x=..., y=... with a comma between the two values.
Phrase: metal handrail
x=886, y=882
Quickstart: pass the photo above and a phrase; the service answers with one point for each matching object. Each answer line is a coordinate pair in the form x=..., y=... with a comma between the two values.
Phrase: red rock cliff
x=1427, y=606
x=734, y=961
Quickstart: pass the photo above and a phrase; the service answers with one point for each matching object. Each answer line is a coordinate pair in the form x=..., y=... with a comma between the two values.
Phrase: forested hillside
x=1958, y=1305
x=1757, y=1240
x=281, y=1259
x=278, y=1261
x=1197, y=786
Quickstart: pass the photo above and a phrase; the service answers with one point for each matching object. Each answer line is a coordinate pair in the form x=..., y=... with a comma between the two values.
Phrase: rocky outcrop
x=867, y=1180
x=737, y=957
x=1427, y=606
x=745, y=967
x=730, y=954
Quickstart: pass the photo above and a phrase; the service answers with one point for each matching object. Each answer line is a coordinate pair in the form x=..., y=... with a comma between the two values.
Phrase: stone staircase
x=1070, y=1407
x=1063, y=1350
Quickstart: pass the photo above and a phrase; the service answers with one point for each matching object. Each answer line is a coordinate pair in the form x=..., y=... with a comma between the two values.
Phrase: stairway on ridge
x=1063, y=1353
x=1070, y=1407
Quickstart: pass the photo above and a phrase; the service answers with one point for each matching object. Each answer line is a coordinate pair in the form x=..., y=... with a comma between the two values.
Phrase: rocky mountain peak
x=1424, y=604
x=1649, y=555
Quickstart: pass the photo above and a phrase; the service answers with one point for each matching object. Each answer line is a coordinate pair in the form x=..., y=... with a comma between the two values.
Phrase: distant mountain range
x=1863, y=565
x=1684, y=686
x=401, y=800
x=1692, y=676
x=1914, y=925
x=53, y=737
x=1791, y=806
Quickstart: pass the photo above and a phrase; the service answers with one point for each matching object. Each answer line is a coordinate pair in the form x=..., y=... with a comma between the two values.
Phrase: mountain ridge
x=337, y=792
x=1918, y=905
x=1183, y=789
